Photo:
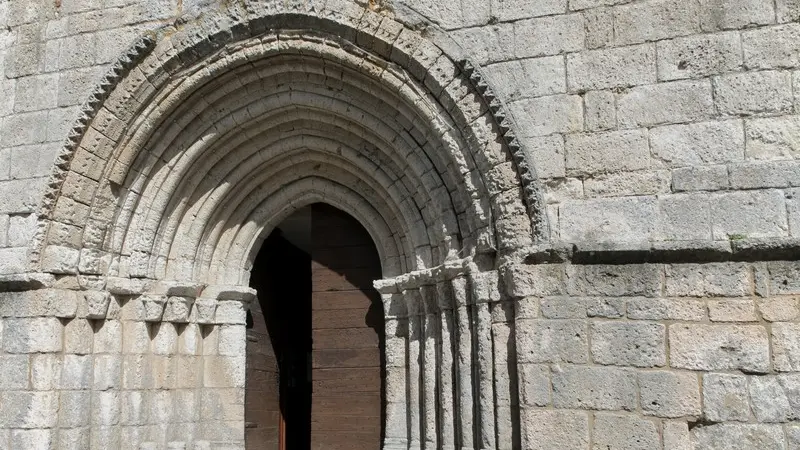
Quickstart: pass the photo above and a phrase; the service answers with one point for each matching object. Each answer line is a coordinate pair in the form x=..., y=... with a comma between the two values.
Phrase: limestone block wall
x=649, y=355
x=88, y=369
x=661, y=313
x=655, y=120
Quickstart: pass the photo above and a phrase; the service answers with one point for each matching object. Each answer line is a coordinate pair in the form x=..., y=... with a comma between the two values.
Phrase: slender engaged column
x=465, y=436
x=484, y=289
x=447, y=406
x=430, y=405
x=395, y=387
x=505, y=386
x=414, y=305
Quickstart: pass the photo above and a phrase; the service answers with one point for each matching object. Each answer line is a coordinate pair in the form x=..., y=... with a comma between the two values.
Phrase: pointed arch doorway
x=315, y=351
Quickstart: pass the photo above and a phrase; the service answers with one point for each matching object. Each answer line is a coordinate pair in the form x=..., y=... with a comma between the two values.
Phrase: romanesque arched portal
x=200, y=142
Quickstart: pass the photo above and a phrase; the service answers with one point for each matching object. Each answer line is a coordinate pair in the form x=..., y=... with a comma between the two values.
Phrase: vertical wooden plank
x=348, y=328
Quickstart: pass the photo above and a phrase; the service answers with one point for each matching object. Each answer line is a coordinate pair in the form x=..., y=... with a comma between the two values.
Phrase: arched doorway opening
x=315, y=351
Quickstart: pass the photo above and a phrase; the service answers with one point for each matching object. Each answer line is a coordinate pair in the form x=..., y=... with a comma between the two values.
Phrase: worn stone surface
x=725, y=398
x=624, y=432
x=719, y=347
x=670, y=394
x=637, y=344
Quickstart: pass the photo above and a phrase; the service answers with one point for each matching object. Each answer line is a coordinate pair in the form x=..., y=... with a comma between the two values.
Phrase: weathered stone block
x=599, y=25
x=638, y=344
x=614, y=280
x=611, y=151
x=611, y=68
x=14, y=375
x=76, y=372
x=754, y=93
x=773, y=138
x=547, y=115
x=154, y=307
x=670, y=394
x=541, y=341
x=525, y=280
x=78, y=337
x=550, y=429
x=624, y=432
x=627, y=219
x=600, y=110
x=107, y=372
x=548, y=35
x=677, y=436
x=684, y=217
x=786, y=346
x=655, y=20
x=178, y=309
x=628, y=183
x=32, y=335
x=165, y=339
x=733, y=14
x=133, y=408
x=698, y=144
x=738, y=436
x=485, y=43
x=75, y=410
x=663, y=103
x=520, y=9
x=534, y=384
x=779, y=309
x=33, y=439
x=732, y=310
x=534, y=77
x=232, y=340
x=223, y=371
x=105, y=408
x=26, y=409
x=599, y=388
x=754, y=175
x=707, y=280
x=612, y=308
x=772, y=47
x=699, y=56
x=768, y=400
x=96, y=304
x=230, y=312
x=719, y=347
x=547, y=153
x=108, y=337
x=751, y=214
x=45, y=372
x=686, y=309
x=725, y=397
x=784, y=277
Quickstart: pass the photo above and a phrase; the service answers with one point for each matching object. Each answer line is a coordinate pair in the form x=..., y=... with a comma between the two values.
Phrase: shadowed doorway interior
x=315, y=338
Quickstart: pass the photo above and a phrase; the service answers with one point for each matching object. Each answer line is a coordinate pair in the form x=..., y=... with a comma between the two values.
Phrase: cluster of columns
x=448, y=382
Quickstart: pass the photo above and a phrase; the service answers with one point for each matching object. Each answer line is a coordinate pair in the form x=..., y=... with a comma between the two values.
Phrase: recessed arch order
x=165, y=172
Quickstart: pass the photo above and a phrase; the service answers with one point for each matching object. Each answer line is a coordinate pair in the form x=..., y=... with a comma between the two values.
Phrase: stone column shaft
x=395, y=387
x=413, y=301
x=430, y=368
x=446, y=383
x=465, y=426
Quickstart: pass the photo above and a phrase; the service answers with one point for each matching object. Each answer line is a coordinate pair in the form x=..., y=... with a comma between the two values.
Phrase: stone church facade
x=585, y=213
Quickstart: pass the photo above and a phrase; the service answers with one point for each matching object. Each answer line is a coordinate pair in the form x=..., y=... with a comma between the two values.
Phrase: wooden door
x=277, y=387
x=347, y=335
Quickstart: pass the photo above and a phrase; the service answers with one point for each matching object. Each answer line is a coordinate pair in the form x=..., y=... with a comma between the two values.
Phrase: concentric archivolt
x=202, y=148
